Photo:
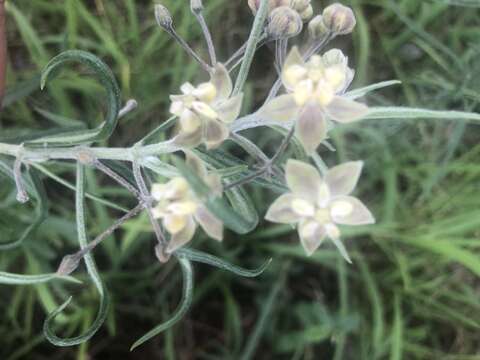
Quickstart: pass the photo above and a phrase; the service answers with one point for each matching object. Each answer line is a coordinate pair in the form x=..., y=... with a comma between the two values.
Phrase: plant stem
x=255, y=37
x=197, y=9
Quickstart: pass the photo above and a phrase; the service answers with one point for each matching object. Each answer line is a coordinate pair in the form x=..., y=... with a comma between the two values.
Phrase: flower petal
x=345, y=110
x=303, y=179
x=311, y=128
x=174, y=223
x=222, y=82
x=348, y=210
x=343, y=251
x=214, y=182
x=281, y=108
x=183, y=237
x=281, y=211
x=293, y=58
x=212, y=226
x=196, y=164
x=342, y=179
x=189, y=139
x=229, y=109
x=215, y=133
x=311, y=235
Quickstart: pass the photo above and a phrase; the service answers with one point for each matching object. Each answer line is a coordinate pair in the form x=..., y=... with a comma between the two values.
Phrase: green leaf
x=357, y=93
x=20, y=279
x=92, y=272
x=199, y=256
x=414, y=113
x=230, y=217
x=107, y=79
x=182, y=309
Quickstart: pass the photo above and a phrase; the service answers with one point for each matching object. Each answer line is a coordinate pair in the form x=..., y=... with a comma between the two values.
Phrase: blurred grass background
x=413, y=291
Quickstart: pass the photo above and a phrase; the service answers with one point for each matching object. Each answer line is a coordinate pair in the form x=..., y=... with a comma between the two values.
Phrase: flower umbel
x=181, y=211
x=315, y=96
x=317, y=205
x=206, y=110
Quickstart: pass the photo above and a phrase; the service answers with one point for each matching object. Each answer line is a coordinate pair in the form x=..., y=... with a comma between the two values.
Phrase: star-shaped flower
x=315, y=96
x=181, y=211
x=206, y=110
x=317, y=205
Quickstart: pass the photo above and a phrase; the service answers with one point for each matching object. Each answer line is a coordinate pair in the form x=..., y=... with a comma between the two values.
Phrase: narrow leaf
x=92, y=272
x=199, y=256
x=108, y=81
x=182, y=309
x=20, y=279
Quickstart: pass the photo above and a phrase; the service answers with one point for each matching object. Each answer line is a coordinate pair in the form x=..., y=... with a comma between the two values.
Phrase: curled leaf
x=199, y=256
x=107, y=79
x=182, y=309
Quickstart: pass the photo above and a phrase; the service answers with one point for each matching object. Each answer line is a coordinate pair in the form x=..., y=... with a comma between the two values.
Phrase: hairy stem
x=253, y=40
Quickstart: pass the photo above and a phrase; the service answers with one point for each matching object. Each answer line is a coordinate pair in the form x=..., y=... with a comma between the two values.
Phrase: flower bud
x=284, y=22
x=339, y=19
x=163, y=17
x=303, y=7
x=317, y=28
x=196, y=5
x=272, y=4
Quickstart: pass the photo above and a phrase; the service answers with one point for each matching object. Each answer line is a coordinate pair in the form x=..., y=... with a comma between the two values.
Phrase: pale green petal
x=212, y=226
x=281, y=210
x=303, y=179
x=229, y=109
x=189, y=139
x=343, y=251
x=281, y=108
x=348, y=210
x=293, y=58
x=214, y=133
x=345, y=110
x=222, y=81
x=311, y=235
x=342, y=179
x=311, y=128
x=214, y=182
x=183, y=237
x=196, y=164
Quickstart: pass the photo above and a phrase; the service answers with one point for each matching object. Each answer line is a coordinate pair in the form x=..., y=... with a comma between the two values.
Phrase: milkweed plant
x=205, y=184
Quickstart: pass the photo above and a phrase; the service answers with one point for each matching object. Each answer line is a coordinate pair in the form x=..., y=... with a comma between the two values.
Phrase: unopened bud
x=303, y=7
x=339, y=19
x=272, y=4
x=284, y=22
x=196, y=5
x=163, y=17
x=317, y=28
x=68, y=265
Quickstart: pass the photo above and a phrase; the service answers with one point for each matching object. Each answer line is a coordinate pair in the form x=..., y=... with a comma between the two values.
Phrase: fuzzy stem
x=253, y=40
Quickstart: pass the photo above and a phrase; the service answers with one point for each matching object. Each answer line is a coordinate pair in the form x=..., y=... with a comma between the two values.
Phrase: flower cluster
x=315, y=90
x=180, y=210
x=313, y=102
x=317, y=204
x=206, y=110
x=302, y=7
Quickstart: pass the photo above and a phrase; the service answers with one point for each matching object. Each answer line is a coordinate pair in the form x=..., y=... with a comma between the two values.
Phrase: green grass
x=413, y=290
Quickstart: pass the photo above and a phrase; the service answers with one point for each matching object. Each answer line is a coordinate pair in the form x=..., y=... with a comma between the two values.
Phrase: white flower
x=317, y=205
x=315, y=96
x=180, y=210
x=206, y=110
